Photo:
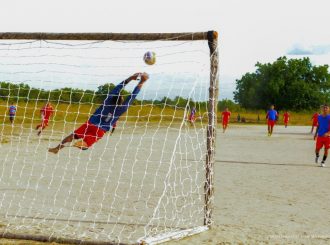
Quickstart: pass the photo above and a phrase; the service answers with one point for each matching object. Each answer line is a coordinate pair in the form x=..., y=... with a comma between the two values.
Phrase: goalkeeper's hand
x=144, y=77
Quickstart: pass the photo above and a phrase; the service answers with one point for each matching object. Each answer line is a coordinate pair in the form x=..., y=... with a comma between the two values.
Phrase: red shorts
x=45, y=121
x=225, y=122
x=286, y=121
x=322, y=141
x=89, y=133
x=315, y=124
x=271, y=123
x=192, y=118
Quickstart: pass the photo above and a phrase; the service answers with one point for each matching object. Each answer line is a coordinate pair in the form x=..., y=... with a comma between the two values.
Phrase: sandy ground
x=268, y=189
x=143, y=180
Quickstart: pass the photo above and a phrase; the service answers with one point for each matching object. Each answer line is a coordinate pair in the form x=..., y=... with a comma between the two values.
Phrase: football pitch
x=142, y=180
x=267, y=189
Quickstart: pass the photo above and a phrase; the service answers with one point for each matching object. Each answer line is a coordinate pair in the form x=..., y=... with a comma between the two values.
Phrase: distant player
x=225, y=119
x=322, y=134
x=271, y=117
x=12, y=113
x=192, y=116
x=46, y=112
x=314, y=121
x=286, y=118
x=105, y=116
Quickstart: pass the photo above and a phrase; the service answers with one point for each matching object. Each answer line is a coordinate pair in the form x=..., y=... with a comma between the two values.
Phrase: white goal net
x=144, y=179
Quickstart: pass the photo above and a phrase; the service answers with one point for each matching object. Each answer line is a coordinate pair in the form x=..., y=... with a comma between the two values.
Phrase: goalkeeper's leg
x=67, y=139
x=88, y=133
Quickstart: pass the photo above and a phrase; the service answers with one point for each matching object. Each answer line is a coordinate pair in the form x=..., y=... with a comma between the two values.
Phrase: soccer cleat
x=322, y=164
x=316, y=159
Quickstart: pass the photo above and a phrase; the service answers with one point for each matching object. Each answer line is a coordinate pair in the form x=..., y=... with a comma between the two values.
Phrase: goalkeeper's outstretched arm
x=116, y=91
x=129, y=100
x=94, y=129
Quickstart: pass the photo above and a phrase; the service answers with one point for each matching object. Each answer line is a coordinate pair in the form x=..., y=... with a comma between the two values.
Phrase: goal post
x=157, y=226
x=211, y=129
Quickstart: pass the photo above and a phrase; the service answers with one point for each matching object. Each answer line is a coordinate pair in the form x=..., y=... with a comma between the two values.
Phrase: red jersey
x=314, y=118
x=226, y=115
x=47, y=111
x=286, y=117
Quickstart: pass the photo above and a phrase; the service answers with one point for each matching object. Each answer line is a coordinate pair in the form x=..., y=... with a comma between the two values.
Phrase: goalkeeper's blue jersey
x=107, y=114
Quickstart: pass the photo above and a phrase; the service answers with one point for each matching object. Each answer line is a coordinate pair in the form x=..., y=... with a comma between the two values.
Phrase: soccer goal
x=86, y=159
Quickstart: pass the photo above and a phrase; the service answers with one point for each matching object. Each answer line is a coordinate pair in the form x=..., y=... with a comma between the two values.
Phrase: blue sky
x=312, y=50
x=250, y=31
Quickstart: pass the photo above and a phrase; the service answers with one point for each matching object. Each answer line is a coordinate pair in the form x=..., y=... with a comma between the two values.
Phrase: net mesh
x=145, y=179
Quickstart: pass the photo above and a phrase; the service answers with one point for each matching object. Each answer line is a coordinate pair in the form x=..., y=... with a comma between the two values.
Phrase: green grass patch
x=70, y=114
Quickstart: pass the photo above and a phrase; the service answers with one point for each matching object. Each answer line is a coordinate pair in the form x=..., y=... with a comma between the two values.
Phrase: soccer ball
x=149, y=58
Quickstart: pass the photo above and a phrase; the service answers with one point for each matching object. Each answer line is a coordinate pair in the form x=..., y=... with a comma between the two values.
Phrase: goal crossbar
x=193, y=36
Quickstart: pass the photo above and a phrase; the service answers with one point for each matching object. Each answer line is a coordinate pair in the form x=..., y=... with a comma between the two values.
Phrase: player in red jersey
x=225, y=119
x=314, y=121
x=45, y=113
x=192, y=116
x=286, y=118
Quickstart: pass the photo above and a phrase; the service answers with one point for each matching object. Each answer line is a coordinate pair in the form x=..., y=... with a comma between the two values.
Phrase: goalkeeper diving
x=105, y=117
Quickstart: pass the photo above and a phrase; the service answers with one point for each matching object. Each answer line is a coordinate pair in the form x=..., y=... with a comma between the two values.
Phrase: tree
x=222, y=104
x=293, y=84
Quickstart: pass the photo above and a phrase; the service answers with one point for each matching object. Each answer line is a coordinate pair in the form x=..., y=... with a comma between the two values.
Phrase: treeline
x=23, y=92
x=293, y=84
x=14, y=93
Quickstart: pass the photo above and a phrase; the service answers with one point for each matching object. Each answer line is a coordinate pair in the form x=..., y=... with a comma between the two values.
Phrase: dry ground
x=268, y=189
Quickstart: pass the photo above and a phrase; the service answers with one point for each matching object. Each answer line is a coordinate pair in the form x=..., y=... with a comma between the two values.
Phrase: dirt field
x=268, y=189
x=144, y=179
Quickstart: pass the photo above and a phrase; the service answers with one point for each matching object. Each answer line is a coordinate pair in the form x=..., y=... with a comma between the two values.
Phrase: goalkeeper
x=105, y=116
